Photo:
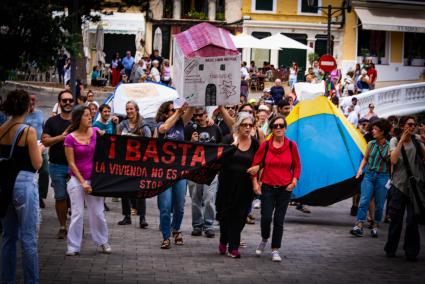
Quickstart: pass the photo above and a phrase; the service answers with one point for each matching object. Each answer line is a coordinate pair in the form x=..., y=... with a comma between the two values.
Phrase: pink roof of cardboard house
x=205, y=40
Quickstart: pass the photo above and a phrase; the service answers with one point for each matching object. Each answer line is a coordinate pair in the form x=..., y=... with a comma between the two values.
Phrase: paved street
x=316, y=248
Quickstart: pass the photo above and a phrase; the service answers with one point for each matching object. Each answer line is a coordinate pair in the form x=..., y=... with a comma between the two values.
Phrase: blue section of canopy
x=328, y=153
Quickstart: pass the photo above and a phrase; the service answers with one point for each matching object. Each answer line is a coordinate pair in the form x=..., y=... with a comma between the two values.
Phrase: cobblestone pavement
x=317, y=247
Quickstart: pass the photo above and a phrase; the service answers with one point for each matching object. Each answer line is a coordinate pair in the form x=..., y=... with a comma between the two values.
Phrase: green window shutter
x=264, y=5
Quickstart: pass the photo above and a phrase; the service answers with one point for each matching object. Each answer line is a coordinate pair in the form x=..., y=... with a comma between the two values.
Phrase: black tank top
x=21, y=156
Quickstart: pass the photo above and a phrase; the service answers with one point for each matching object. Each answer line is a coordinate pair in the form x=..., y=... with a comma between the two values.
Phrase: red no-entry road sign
x=327, y=63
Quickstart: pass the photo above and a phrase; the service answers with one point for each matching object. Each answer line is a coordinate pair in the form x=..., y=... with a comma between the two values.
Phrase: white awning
x=400, y=20
x=120, y=23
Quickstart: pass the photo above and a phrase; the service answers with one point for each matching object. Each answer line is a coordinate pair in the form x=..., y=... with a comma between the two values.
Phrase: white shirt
x=244, y=73
x=353, y=117
x=156, y=76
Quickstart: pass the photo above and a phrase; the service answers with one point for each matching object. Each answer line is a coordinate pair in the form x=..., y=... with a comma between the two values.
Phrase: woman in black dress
x=235, y=193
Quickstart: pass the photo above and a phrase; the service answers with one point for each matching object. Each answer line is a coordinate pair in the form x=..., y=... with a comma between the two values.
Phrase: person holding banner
x=235, y=188
x=134, y=126
x=203, y=196
x=80, y=144
x=280, y=162
x=171, y=123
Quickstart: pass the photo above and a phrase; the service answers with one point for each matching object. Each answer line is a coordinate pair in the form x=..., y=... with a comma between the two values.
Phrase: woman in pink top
x=79, y=150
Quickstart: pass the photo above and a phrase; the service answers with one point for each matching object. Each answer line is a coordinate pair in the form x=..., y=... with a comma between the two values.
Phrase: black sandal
x=178, y=238
x=166, y=244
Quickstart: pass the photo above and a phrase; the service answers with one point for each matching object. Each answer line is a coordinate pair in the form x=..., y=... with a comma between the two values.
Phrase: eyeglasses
x=67, y=101
x=247, y=125
x=277, y=125
x=411, y=124
x=198, y=114
x=230, y=108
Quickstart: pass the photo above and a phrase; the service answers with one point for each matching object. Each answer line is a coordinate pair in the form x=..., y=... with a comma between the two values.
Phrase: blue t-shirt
x=176, y=132
x=277, y=93
x=128, y=63
x=108, y=127
x=36, y=120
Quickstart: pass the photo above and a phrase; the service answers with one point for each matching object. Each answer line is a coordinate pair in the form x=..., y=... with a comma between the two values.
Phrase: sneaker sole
x=355, y=234
x=258, y=252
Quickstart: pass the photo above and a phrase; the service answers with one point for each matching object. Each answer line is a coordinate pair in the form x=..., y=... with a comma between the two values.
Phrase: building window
x=414, y=49
x=309, y=7
x=263, y=6
x=192, y=9
x=168, y=9
x=371, y=43
x=260, y=55
x=220, y=10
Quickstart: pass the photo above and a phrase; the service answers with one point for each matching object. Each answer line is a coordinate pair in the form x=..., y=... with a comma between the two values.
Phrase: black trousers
x=138, y=203
x=399, y=203
x=277, y=200
x=231, y=227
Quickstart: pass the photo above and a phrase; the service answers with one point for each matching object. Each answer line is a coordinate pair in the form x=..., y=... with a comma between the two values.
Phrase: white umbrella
x=86, y=45
x=279, y=40
x=139, y=36
x=248, y=41
x=100, y=55
x=157, y=40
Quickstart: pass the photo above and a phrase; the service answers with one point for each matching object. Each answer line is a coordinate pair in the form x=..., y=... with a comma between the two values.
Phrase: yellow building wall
x=349, y=45
x=396, y=47
x=286, y=11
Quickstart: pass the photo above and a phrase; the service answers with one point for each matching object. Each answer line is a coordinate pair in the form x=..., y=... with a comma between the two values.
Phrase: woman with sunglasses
x=79, y=151
x=171, y=123
x=411, y=147
x=256, y=132
x=371, y=113
x=281, y=168
x=235, y=192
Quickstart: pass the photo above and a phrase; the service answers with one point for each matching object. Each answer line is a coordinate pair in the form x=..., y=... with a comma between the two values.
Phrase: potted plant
x=379, y=55
x=313, y=57
x=219, y=16
x=364, y=52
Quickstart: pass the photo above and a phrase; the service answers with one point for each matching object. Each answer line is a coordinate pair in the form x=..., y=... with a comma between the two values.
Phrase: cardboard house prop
x=206, y=66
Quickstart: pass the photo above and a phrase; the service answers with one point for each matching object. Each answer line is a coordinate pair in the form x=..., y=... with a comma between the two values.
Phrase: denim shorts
x=59, y=174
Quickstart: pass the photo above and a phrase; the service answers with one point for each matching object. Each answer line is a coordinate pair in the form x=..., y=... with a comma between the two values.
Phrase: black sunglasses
x=411, y=124
x=247, y=125
x=277, y=125
x=172, y=109
x=198, y=114
x=67, y=101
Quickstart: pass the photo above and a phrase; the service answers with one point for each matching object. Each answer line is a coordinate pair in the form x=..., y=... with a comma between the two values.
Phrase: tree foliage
x=34, y=30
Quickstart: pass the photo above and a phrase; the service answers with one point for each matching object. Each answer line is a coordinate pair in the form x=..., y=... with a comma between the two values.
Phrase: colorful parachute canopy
x=330, y=147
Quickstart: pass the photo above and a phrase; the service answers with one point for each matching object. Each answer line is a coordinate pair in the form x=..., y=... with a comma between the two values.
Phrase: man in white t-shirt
x=353, y=116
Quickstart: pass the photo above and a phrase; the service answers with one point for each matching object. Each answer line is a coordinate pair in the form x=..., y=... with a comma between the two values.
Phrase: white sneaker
x=105, y=248
x=257, y=204
x=275, y=256
x=260, y=248
x=72, y=253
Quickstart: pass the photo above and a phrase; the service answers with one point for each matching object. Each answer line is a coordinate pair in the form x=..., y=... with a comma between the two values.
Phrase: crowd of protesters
x=260, y=168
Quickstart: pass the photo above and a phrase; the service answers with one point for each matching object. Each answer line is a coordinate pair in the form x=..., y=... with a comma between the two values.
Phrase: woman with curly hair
x=171, y=123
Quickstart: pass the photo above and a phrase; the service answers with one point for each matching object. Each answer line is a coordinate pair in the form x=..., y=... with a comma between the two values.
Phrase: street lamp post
x=331, y=11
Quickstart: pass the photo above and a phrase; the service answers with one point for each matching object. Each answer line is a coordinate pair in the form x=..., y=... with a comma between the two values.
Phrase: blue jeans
x=292, y=81
x=21, y=223
x=172, y=199
x=373, y=184
x=58, y=174
x=203, y=205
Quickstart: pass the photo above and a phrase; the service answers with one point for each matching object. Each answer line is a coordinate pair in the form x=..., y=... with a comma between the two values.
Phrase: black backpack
x=9, y=170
